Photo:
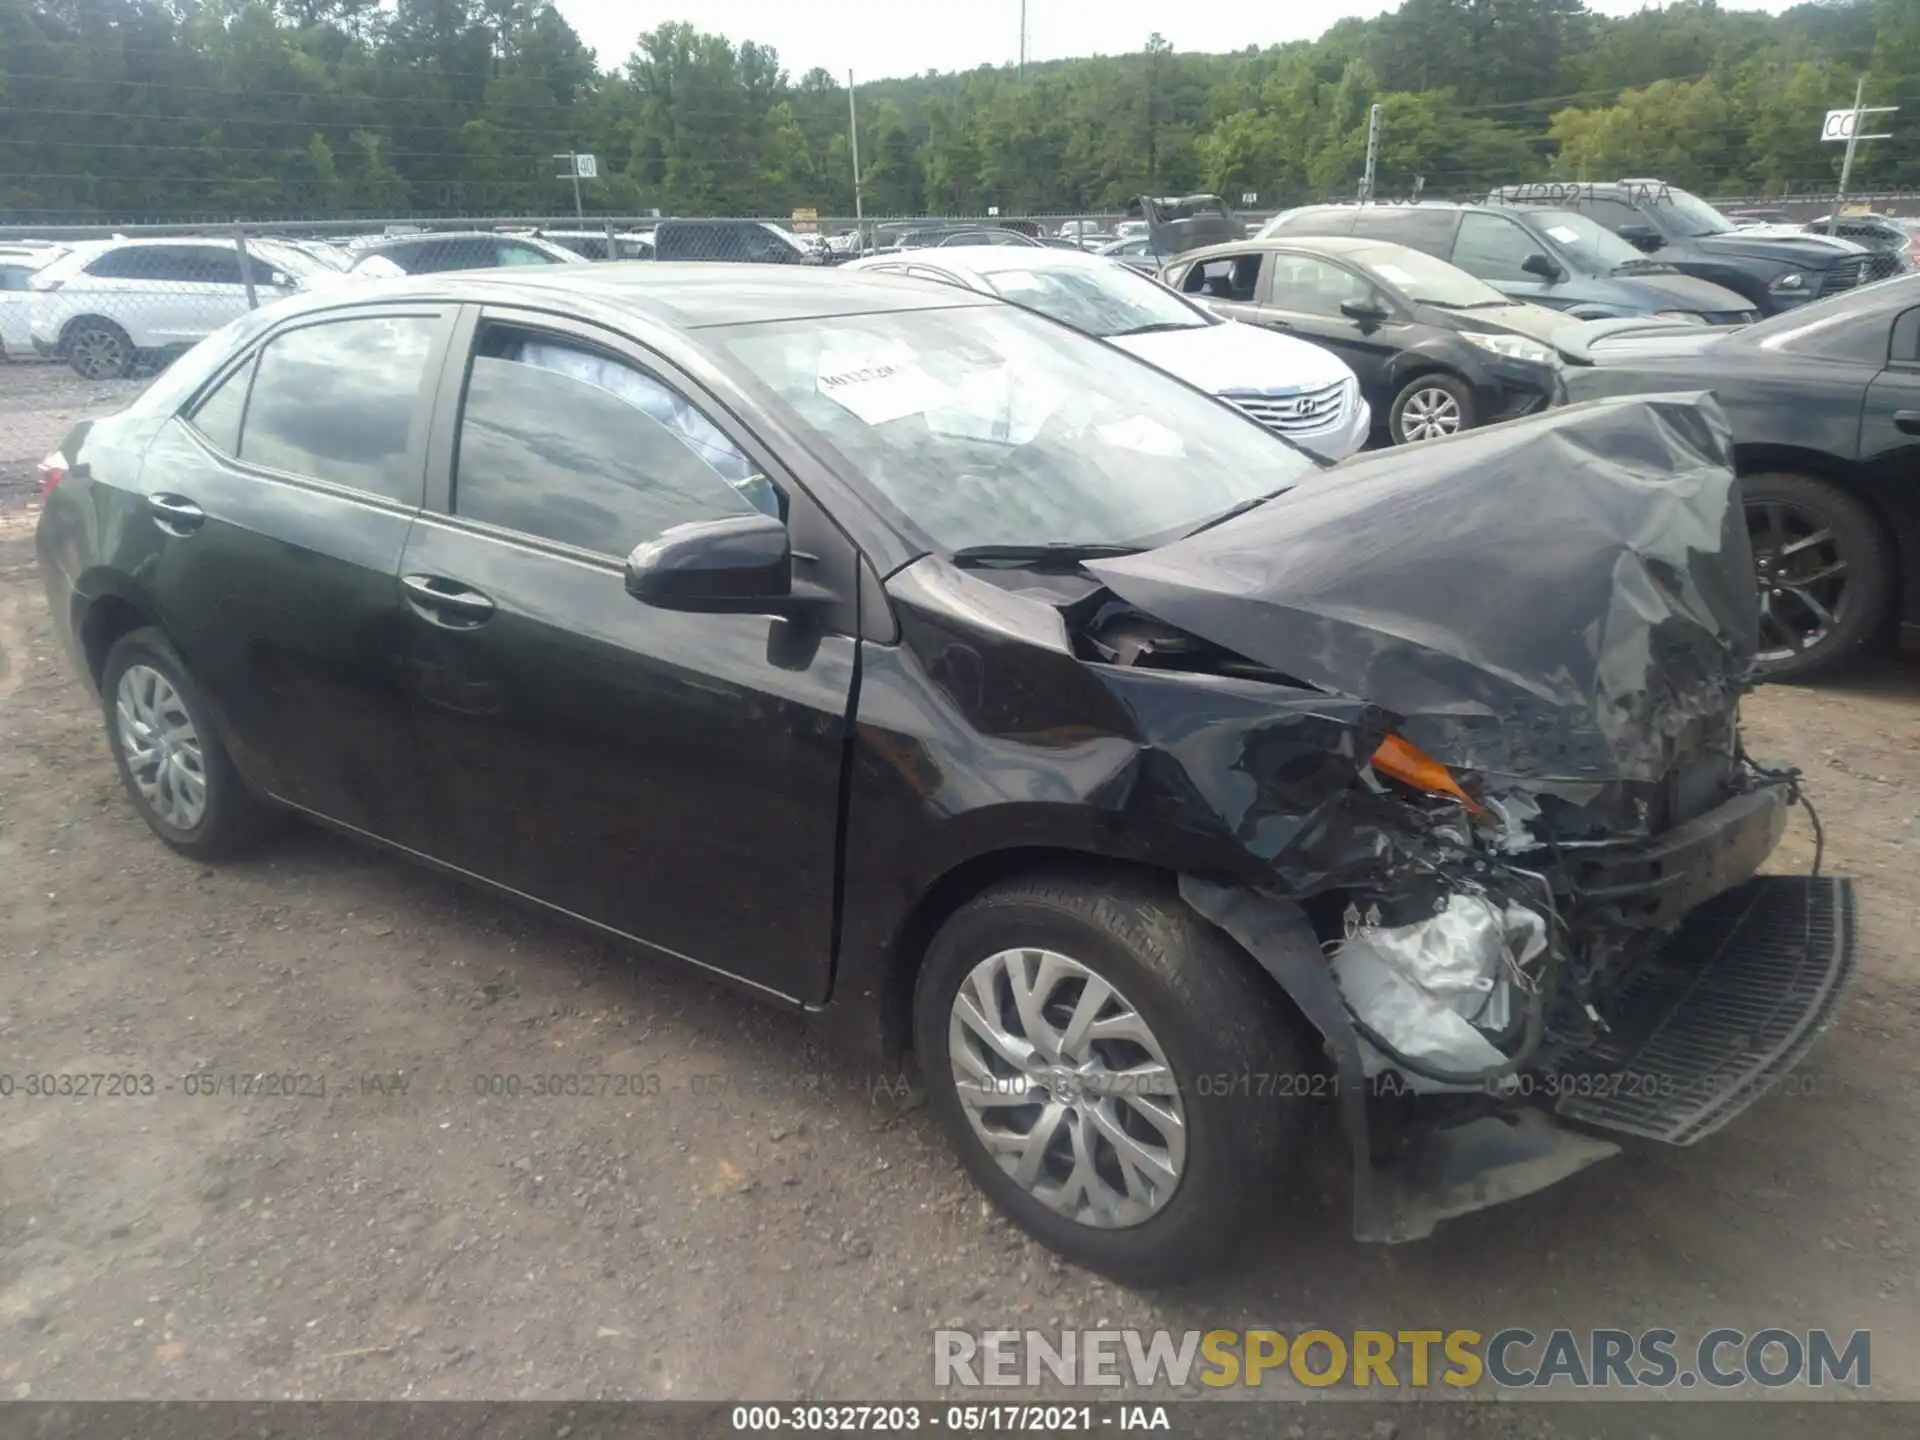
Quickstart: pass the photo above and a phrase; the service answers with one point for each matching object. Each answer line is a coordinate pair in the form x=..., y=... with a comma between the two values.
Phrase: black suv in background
x=1542, y=255
x=1776, y=272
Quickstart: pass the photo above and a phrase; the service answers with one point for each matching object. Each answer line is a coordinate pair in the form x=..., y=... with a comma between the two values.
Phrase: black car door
x=1302, y=296
x=673, y=777
x=277, y=509
x=1890, y=440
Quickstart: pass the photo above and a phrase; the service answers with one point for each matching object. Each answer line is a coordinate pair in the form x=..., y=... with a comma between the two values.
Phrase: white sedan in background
x=1295, y=389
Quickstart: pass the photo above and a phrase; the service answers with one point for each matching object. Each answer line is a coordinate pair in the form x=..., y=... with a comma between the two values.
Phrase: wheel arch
x=962, y=882
x=106, y=619
x=1765, y=459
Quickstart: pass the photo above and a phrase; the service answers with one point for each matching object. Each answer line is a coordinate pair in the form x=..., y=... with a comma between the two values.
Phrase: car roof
x=683, y=295
x=1351, y=245
x=987, y=258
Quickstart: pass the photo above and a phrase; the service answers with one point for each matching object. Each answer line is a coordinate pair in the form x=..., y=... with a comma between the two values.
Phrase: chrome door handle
x=447, y=602
x=175, y=514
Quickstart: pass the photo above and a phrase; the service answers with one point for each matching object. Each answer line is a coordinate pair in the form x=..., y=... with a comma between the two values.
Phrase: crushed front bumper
x=1655, y=884
x=1731, y=1002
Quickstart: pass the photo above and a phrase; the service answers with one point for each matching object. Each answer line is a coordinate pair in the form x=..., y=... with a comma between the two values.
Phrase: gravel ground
x=759, y=1217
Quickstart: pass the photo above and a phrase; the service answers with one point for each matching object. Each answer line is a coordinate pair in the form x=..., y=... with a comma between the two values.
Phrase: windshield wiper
x=1642, y=267
x=1062, y=552
x=1252, y=502
x=1158, y=327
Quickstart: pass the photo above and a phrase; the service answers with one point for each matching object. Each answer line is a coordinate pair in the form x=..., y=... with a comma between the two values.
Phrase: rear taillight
x=50, y=472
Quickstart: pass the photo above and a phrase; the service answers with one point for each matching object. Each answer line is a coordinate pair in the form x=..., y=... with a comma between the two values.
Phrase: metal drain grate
x=1736, y=998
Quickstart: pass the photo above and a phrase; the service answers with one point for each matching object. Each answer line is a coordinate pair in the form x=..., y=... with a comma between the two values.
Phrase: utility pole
x=573, y=171
x=853, y=136
x=1854, y=137
x=1021, y=73
x=1373, y=155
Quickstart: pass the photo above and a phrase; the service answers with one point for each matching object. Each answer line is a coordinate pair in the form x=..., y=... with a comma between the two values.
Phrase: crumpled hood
x=1232, y=356
x=1556, y=599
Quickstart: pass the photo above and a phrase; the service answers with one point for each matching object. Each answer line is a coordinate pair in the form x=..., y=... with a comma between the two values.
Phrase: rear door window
x=1421, y=228
x=1229, y=277
x=337, y=401
x=567, y=443
x=1609, y=213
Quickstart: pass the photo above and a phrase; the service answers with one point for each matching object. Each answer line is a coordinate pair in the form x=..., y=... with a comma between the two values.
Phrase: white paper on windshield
x=1394, y=273
x=878, y=384
x=1144, y=436
x=1565, y=234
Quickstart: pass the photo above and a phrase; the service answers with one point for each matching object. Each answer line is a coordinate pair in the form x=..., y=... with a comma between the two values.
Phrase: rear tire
x=100, y=350
x=1182, y=992
x=1431, y=407
x=169, y=755
x=1824, y=567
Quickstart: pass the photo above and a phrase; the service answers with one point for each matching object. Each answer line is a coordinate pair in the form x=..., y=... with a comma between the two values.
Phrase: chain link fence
x=115, y=302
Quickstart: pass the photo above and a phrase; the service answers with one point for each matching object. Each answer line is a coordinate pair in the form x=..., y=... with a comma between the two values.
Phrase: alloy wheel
x=1064, y=1082
x=161, y=746
x=1802, y=577
x=1430, y=415
x=97, y=353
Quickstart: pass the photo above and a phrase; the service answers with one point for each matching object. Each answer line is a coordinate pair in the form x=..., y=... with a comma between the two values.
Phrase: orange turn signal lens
x=1410, y=765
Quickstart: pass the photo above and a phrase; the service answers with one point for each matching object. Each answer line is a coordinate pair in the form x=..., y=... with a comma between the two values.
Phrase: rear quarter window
x=1418, y=228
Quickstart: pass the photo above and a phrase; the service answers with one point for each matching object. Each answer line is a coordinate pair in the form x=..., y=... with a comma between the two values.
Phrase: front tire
x=1101, y=1058
x=170, y=758
x=1431, y=407
x=1825, y=572
x=100, y=350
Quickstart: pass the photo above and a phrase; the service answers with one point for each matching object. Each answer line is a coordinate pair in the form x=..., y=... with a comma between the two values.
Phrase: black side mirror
x=1644, y=236
x=737, y=565
x=1543, y=266
x=1367, y=312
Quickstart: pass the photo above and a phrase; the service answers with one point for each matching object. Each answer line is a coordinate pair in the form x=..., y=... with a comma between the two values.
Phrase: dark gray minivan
x=1548, y=256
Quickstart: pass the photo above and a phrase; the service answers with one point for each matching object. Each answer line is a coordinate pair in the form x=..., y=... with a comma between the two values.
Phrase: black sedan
x=1824, y=402
x=911, y=660
x=1436, y=350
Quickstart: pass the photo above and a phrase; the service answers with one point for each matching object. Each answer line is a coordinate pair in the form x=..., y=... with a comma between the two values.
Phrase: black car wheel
x=100, y=350
x=1824, y=571
x=1431, y=407
x=168, y=754
x=1092, y=1051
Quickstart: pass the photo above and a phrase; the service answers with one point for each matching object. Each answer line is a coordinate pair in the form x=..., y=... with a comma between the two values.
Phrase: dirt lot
x=762, y=1219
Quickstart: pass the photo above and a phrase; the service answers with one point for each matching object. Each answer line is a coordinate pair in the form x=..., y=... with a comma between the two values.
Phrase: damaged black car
x=917, y=663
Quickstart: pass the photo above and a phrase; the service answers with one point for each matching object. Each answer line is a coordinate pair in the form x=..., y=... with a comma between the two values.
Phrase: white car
x=104, y=304
x=18, y=264
x=1295, y=389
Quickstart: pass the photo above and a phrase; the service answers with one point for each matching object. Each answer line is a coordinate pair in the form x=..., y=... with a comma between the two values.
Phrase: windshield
x=984, y=425
x=1103, y=300
x=1591, y=247
x=1689, y=214
x=1421, y=278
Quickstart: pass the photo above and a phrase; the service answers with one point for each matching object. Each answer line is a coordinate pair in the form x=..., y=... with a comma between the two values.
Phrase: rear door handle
x=447, y=602
x=175, y=514
x=1907, y=421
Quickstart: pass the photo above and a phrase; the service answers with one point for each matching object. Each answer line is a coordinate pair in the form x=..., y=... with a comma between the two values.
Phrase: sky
x=881, y=38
